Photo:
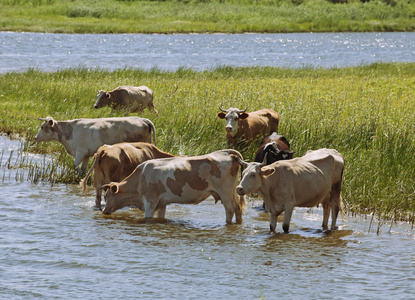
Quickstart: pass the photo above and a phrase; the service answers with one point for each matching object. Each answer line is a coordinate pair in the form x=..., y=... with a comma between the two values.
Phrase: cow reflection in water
x=304, y=182
x=187, y=180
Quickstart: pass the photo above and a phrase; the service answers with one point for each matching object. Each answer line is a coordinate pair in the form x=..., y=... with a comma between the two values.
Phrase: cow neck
x=61, y=138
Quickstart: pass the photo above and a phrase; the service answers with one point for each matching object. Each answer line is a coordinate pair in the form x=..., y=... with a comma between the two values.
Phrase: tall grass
x=232, y=16
x=366, y=113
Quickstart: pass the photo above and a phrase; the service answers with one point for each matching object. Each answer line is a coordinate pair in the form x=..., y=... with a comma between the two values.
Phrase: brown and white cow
x=241, y=125
x=116, y=162
x=187, y=180
x=82, y=137
x=304, y=181
x=276, y=147
x=134, y=99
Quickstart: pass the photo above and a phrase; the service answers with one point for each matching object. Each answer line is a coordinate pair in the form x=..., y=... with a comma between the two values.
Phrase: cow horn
x=241, y=162
x=225, y=111
x=264, y=161
x=242, y=111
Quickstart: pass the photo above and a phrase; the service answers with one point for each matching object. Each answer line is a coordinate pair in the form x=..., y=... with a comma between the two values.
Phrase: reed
x=364, y=112
x=202, y=16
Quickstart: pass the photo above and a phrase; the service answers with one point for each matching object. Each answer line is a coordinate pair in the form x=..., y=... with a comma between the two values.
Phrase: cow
x=241, y=125
x=116, y=162
x=304, y=181
x=276, y=147
x=131, y=98
x=187, y=180
x=82, y=137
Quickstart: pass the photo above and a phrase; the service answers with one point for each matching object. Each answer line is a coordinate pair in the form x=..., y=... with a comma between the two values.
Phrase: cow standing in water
x=187, y=180
x=82, y=137
x=131, y=98
x=241, y=125
x=304, y=181
x=116, y=162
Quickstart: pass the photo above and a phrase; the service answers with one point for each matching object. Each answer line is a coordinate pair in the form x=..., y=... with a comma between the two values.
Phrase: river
x=49, y=52
x=54, y=244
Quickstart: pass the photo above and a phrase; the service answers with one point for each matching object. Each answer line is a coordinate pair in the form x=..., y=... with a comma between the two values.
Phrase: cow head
x=103, y=99
x=232, y=116
x=274, y=153
x=252, y=176
x=110, y=195
x=47, y=131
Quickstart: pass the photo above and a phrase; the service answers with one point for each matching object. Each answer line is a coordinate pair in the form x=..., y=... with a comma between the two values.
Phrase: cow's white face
x=232, y=117
x=46, y=132
x=252, y=178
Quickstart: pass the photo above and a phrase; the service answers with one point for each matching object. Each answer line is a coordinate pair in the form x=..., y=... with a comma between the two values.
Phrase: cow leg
x=239, y=208
x=161, y=213
x=98, y=198
x=287, y=219
x=149, y=209
x=335, y=200
x=81, y=158
x=273, y=220
x=326, y=212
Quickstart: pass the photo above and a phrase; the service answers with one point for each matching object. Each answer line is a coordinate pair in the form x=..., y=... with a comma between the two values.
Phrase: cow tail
x=152, y=129
x=84, y=181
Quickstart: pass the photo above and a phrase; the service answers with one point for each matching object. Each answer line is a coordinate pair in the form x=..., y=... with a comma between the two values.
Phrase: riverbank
x=364, y=112
x=272, y=16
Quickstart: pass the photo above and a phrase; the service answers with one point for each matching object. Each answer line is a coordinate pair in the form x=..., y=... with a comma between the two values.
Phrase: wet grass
x=206, y=16
x=365, y=112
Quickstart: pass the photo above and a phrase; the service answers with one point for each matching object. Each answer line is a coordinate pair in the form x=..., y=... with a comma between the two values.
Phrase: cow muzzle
x=240, y=190
x=228, y=128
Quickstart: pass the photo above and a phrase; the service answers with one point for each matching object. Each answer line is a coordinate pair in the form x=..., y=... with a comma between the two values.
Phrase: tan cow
x=134, y=99
x=116, y=162
x=187, y=180
x=305, y=181
x=82, y=137
x=241, y=125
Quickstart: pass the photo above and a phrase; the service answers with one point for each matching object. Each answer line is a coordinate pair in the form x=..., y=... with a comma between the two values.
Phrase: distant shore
x=207, y=16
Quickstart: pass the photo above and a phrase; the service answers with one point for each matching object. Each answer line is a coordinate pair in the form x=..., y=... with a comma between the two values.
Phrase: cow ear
x=114, y=188
x=267, y=172
x=243, y=115
x=51, y=122
x=221, y=115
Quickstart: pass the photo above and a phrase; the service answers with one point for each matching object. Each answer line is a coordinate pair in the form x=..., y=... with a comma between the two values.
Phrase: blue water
x=49, y=52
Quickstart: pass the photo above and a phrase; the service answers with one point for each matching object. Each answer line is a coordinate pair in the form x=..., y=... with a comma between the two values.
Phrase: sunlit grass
x=231, y=16
x=366, y=113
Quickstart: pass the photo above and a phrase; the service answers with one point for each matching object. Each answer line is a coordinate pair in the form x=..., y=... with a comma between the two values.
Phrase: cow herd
x=129, y=170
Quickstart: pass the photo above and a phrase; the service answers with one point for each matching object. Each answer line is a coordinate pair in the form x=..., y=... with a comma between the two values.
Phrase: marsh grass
x=231, y=16
x=365, y=112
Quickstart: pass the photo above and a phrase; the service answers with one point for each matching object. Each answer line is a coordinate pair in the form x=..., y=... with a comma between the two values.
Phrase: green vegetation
x=206, y=16
x=366, y=113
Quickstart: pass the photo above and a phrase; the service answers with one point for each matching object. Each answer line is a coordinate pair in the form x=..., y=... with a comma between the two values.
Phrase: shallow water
x=50, y=52
x=55, y=245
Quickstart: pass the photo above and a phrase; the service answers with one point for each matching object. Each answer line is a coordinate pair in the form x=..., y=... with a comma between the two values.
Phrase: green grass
x=206, y=16
x=366, y=113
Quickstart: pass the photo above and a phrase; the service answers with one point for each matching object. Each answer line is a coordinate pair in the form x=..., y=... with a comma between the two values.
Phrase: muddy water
x=53, y=244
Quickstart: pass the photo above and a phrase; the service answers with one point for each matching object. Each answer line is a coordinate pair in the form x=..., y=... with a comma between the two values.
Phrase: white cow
x=82, y=137
x=304, y=182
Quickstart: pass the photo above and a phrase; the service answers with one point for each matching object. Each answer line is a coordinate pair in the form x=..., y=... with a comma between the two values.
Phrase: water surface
x=53, y=244
x=49, y=52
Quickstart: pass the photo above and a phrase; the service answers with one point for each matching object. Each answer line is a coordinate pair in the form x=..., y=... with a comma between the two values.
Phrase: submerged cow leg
x=273, y=220
x=161, y=213
x=326, y=212
x=287, y=219
x=149, y=208
x=335, y=200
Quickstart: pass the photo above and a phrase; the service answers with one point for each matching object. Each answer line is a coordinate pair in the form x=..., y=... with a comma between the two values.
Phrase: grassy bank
x=366, y=113
x=232, y=16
